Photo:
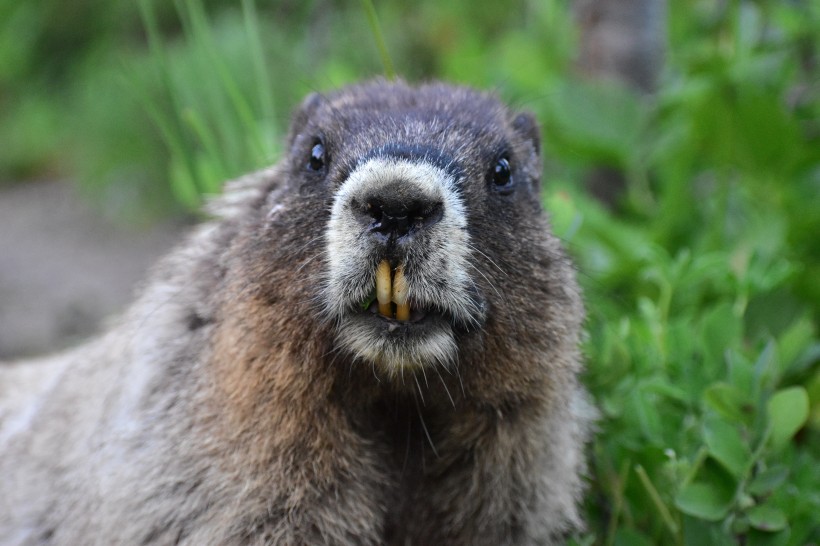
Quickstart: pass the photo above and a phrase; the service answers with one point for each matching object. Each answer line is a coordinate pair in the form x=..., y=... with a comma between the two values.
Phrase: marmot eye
x=502, y=177
x=316, y=162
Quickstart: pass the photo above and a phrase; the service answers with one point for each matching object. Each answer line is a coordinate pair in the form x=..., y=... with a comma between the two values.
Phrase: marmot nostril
x=397, y=217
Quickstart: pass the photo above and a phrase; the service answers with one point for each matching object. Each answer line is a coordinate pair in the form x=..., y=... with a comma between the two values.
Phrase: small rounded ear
x=526, y=124
x=300, y=118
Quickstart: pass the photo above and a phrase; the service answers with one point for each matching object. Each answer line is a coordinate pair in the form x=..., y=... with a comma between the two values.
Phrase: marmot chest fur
x=373, y=342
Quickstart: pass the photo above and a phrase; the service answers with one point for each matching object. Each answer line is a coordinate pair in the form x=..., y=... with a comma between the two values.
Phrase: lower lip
x=420, y=322
x=416, y=317
x=394, y=325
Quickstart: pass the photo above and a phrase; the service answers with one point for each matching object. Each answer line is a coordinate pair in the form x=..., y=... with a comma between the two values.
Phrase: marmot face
x=416, y=175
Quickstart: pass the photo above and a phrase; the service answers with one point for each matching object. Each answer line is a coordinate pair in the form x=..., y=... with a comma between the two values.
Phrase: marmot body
x=374, y=342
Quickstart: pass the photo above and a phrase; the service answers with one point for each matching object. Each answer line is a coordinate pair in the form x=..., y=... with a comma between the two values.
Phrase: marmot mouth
x=403, y=320
x=389, y=301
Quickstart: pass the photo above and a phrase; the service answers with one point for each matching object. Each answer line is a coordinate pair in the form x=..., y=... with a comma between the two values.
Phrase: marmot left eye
x=317, y=157
x=501, y=173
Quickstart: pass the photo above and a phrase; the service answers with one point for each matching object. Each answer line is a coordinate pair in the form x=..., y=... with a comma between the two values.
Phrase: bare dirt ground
x=64, y=268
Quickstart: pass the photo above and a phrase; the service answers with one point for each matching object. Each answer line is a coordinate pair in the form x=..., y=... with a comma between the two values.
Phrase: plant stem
x=373, y=19
x=656, y=499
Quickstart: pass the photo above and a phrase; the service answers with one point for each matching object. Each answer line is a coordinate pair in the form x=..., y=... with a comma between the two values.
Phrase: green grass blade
x=262, y=78
x=172, y=130
x=664, y=512
x=375, y=28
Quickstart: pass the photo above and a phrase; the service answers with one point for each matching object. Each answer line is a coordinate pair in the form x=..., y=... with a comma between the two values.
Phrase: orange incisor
x=392, y=288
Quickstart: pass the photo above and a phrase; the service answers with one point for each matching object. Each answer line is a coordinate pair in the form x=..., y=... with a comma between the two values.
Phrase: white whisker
x=476, y=249
x=424, y=428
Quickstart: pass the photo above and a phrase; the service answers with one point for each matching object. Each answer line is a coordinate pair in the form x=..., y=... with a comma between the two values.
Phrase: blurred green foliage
x=703, y=285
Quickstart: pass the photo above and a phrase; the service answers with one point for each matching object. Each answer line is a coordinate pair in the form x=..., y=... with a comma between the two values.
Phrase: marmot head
x=429, y=202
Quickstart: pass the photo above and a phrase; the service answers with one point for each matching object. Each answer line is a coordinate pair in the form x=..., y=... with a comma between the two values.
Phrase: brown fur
x=222, y=410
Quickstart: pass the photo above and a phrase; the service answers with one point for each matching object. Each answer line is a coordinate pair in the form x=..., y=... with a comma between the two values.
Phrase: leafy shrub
x=703, y=344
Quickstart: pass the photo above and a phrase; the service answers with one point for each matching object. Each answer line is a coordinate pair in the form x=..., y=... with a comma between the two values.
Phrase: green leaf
x=766, y=368
x=369, y=300
x=662, y=386
x=721, y=328
x=726, y=446
x=756, y=537
x=583, y=540
x=630, y=537
x=767, y=136
x=767, y=518
x=641, y=408
x=788, y=411
x=725, y=399
x=780, y=314
x=768, y=480
x=706, y=501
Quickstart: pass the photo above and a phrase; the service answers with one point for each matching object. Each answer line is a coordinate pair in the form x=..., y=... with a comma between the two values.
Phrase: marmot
x=375, y=341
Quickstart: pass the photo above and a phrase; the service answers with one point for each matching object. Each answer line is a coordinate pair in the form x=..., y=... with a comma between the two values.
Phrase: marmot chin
x=375, y=341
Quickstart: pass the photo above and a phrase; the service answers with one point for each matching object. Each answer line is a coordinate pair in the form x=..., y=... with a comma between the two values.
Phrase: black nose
x=398, y=216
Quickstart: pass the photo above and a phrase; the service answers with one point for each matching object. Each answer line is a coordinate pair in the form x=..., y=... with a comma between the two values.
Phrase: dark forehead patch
x=454, y=128
x=417, y=153
x=456, y=105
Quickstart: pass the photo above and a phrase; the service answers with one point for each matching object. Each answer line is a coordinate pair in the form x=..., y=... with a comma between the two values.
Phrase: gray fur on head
x=257, y=393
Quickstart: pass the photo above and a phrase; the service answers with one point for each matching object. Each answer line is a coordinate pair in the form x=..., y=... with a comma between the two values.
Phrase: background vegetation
x=702, y=283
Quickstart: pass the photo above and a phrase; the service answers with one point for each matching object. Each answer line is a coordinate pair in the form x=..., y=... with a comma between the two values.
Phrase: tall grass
x=212, y=128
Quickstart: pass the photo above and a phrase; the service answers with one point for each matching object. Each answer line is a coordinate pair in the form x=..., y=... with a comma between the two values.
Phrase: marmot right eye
x=502, y=177
x=317, y=157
